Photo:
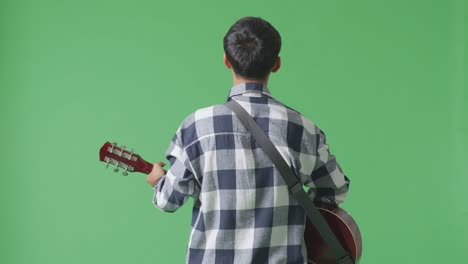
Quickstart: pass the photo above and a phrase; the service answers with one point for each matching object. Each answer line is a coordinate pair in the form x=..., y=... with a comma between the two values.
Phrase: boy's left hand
x=156, y=173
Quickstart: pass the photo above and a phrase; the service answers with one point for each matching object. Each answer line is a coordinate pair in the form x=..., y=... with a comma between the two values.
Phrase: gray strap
x=295, y=187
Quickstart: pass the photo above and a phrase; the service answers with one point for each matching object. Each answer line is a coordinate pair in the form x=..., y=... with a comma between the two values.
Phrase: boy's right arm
x=327, y=182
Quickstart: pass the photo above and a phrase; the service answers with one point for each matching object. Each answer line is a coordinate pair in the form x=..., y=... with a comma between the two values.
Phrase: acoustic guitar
x=318, y=252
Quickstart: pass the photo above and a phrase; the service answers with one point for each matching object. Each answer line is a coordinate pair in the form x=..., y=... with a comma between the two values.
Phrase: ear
x=226, y=62
x=277, y=65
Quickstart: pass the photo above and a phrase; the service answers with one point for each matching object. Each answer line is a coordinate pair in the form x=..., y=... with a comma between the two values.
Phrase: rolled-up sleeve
x=327, y=183
x=173, y=189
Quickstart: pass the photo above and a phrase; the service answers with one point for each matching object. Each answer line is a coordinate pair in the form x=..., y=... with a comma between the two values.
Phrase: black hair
x=252, y=46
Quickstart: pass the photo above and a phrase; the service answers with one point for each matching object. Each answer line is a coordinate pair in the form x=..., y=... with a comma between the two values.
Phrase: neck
x=237, y=79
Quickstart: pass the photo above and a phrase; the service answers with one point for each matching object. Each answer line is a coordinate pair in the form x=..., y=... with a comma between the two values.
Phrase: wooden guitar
x=318, y=252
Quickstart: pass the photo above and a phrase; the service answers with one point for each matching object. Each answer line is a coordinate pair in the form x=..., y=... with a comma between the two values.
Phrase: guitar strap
x=294, y=186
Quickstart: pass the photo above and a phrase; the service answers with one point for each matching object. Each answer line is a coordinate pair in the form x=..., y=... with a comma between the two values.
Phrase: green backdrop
x=384, y=79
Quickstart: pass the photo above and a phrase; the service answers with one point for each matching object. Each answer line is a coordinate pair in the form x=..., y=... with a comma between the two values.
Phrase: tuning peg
x=107, y=163
x=125, y=173
x=116, y=169
x=122, y=150
x=112, y=147
x=131, y=153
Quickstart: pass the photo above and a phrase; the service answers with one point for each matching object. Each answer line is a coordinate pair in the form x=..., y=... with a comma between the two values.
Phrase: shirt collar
x=249, y=87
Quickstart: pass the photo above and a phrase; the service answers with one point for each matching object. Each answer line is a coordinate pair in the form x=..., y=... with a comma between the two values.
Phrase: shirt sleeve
x=173, y=189
x=327, y=182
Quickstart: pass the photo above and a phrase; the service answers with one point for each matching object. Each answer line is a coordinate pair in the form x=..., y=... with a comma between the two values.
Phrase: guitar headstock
x=120, y=157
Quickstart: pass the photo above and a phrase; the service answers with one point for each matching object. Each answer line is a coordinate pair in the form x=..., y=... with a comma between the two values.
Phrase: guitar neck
x=147, y=167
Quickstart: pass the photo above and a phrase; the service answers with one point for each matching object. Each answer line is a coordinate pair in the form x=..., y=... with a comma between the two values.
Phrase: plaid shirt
x=243, y=212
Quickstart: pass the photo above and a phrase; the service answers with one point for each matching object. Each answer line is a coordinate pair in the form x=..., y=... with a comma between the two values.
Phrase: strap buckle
x=296, y=188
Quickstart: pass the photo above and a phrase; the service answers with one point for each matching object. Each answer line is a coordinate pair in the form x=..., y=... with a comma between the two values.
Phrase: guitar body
x=345, y=229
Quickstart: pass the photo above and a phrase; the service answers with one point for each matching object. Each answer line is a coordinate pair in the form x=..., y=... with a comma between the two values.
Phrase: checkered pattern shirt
x=242, y=211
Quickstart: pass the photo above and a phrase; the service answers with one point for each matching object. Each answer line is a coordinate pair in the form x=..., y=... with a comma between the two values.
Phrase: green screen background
x=385, y=80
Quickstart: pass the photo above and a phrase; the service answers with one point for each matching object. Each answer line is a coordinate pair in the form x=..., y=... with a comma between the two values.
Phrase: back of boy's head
x=252, y=46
